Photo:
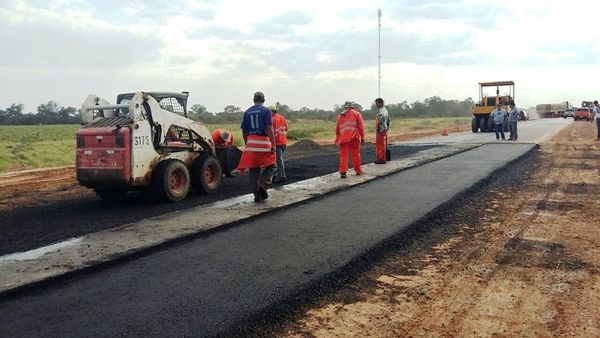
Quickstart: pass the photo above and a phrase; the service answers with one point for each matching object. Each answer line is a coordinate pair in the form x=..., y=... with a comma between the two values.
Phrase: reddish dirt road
x=526, y=266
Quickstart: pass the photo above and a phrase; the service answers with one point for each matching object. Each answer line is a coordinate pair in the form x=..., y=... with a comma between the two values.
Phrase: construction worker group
x=264, y=131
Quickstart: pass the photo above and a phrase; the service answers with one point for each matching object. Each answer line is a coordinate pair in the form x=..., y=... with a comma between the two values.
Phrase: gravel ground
x=64, y=210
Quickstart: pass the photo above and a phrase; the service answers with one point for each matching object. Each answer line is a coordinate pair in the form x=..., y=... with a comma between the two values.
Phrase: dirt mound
x=305, y=145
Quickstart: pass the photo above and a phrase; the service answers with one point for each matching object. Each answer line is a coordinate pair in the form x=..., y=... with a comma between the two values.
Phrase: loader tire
x=482, y=124
x=111, y=194
x=474, y=125
x=171, y=180
x=206, y=174
x=491, y=126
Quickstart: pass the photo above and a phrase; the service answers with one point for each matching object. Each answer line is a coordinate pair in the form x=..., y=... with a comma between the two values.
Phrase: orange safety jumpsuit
x=280, y=126
x=349, y=133
x=219, y=142
x=257, y=154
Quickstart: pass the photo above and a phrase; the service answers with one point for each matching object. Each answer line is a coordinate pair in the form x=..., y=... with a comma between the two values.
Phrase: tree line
x=435, y=106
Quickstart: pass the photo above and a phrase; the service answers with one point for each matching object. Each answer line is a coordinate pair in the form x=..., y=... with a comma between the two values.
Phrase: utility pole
x=379, y=56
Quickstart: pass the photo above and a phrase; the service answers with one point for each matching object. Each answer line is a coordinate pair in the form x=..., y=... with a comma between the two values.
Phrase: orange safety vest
x=349, y=127
x=280, y=127
x=219, y=142
x=257, y=153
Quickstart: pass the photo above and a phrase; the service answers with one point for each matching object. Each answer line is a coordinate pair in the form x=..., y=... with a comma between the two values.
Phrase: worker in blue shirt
x=259, y=154
x=498, y=117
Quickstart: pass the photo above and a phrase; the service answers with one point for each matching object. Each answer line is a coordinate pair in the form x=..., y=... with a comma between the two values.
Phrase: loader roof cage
x=497, y=83
x=170, y=101
x=493, y=100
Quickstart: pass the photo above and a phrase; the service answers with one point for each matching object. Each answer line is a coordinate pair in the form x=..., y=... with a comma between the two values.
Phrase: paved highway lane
x=205, y=286
x=533, y=131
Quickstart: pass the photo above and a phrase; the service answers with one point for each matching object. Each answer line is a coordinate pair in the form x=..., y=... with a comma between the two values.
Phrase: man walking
x=382, y=124
x=512, y=122
x=280, y=127
x=596, y=110
x=349, y=134
x=498, y=118
x=259, y=154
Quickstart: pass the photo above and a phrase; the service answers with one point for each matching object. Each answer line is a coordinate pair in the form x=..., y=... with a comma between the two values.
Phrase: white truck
x=144, y=141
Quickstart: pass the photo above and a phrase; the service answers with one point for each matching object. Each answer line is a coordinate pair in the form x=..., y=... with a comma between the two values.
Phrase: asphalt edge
x=290, y=306
x=124, y=257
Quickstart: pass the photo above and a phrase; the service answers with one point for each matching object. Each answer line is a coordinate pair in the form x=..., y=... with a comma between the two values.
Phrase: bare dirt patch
x=525, y=263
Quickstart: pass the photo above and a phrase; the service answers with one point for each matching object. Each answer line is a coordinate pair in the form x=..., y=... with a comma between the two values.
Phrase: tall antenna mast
x=379, y=56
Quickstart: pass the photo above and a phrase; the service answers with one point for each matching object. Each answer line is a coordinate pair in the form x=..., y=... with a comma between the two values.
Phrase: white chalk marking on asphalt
x=39, y=252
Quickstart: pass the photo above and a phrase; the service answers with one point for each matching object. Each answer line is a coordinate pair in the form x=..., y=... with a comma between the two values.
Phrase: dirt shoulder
x=523, y=262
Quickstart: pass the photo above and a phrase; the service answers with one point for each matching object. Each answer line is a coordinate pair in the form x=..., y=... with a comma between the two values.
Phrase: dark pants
x=499, y=131
x=512, y=126
x=229, y=157
x=598, y=128
x=259, y=177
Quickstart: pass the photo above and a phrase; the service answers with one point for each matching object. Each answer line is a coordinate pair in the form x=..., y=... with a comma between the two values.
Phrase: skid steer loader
x=144, y=141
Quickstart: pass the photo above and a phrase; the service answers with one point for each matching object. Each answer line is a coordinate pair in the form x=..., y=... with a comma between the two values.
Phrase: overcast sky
x=301, y=53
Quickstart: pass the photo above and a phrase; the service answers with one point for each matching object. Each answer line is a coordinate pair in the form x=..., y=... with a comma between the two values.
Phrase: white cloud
x=306, y=53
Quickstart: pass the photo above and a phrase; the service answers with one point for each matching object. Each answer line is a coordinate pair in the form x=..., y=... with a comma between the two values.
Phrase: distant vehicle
x=587, y=104
x=568, y=113
x=487, y=103
x=523, y=115
x=549, y=110
x=583, y=114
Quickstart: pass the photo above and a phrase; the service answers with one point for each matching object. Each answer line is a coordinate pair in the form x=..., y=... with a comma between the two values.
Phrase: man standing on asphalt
x=382, y=124
x=259, y=154
x=349, y=134
x=596, y=110
x=280, y=127
x=498, y=118
x=512, y=121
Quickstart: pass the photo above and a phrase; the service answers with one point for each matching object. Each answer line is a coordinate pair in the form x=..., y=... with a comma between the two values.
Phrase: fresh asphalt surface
x=205, y=286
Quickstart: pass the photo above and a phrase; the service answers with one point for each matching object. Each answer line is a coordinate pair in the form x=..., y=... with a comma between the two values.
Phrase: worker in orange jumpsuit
x=349, y=134
x=382, y=124
x=222, y=137
x=225, y=150
x=280, y=127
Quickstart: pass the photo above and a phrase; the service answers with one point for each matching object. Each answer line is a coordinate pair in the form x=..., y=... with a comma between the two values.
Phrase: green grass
x=36, y=146
x=54, y=145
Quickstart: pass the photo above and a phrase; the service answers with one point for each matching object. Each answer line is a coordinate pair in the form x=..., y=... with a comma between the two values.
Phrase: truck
x=487, y=103
x=583, y=114
x=144, y=142
x=552, y=110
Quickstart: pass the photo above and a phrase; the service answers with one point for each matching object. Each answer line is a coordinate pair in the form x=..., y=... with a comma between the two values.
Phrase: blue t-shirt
x=256, y=120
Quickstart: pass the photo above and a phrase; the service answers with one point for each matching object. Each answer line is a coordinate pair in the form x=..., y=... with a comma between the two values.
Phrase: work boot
x=263, y=193
x=258, y=197
x=343, y=175
x=359, y=173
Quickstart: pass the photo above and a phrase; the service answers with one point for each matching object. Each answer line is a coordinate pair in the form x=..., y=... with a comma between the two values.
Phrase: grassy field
x=25, y=147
